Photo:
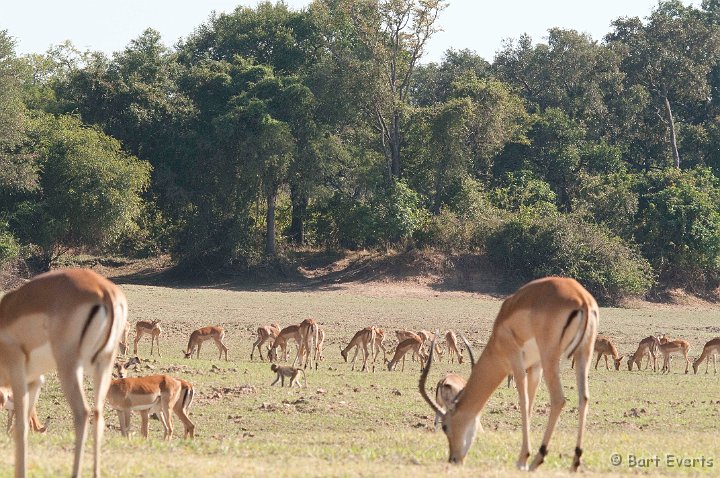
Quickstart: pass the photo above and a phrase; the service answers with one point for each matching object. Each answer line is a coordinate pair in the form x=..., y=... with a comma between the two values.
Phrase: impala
x=711, y=348
x=152, y=328
x=364, y=338
x=414, y=344
x=605, y=347
x=127, y=395
x=543, y=321
x=216, y=333
x=291, y=332
x=70, y=319
x=266, y=333
x=648, y=346
x=143, y=394
x=668, y=348
x=308, y=343
x=379, y=345
x=319, y=347
x=453, y=350
x=123, y=345
x=6, y=403
x=450, y=386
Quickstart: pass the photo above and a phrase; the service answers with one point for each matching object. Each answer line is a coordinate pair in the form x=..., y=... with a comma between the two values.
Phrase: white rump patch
x=40, y=361
x=530, y=352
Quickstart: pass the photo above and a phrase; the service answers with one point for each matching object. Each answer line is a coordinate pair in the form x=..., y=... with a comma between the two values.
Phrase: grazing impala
x=308, y=343
x=453, y=350
x=291, y=332
x=605, y=347
x=543, y=321
x=216, y=333
x=379, y=345
x=649, y=347
x=364, y=338
x=414, y=344
x=70, y=319
x=152, y=329
x=143, y=394
x=6, y=403
x=711, y=348
x=268, y=332
x=319, y=347
x=668, y=348
x=123, y=346
x=449, y=387
x=134, y=394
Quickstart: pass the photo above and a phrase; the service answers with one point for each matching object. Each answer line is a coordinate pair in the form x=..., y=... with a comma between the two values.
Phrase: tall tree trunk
x=270, y=221
x=395, y=146
x=673, y=138
x=299, y=200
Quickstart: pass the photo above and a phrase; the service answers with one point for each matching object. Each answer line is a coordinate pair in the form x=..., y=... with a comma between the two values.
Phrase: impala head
x=695, y=365
x=187, y=354
x=617, y=362
x=343, y=353
x=459, y=428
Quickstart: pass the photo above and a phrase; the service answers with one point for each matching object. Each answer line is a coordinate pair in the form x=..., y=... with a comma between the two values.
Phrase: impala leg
x=581, y=377
x=557, y=398
x=187, y=423
x=19, y=386
x=714, y=367
x=198, y=350
x=71, y=379
x=102, y=375
x=144, y=423
x=522, y=387
x=596, y=362
x=158, y=345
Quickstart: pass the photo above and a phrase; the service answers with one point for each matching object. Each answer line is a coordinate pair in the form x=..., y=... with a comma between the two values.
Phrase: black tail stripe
x=92, y=313
x=109, y=304
x=567, y=324
x=572, y=352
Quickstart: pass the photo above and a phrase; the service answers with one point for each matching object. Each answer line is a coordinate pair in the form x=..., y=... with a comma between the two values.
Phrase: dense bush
x=9, y=247
x=530, y=247
x=388, y=217
x=678, y=225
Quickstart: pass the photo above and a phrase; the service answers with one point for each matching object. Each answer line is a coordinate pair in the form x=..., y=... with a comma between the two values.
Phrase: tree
x=388, y=37
x=89, y=189
x=670, y=56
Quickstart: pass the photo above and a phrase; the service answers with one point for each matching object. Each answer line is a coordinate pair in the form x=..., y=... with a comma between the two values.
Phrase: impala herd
x=75, y=320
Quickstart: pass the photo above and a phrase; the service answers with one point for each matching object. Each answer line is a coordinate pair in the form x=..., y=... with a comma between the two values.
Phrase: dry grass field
x=348, y=423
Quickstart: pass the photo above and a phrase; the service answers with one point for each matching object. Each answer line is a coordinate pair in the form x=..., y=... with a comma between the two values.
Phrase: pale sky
x=109, y=25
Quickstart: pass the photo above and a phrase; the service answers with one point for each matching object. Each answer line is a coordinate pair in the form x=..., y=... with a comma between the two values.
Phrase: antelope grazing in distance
x=414, y=344
x=143, y=394
x=319, y=346
x=216, y=333
x=266, y=333
x=364, y=338
x=291, y=332
x=71, y=320
x=668, y=348
x=605, y=347
x=711, y=348
x=429, y=337
x=308, y=343
x=6, y=403
x=152, y=328
x=453, y=350
x=649, y=347
x=379, y=345
x=450, y=386
x=181, y=408
x=543, y=321
x=123, y=346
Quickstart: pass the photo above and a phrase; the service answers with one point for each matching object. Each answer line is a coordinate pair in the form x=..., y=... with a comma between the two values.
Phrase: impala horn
x=423, y=379
x=469, y=349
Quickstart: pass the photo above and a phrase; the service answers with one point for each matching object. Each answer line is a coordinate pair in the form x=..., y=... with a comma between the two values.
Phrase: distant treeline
x=269, y=127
